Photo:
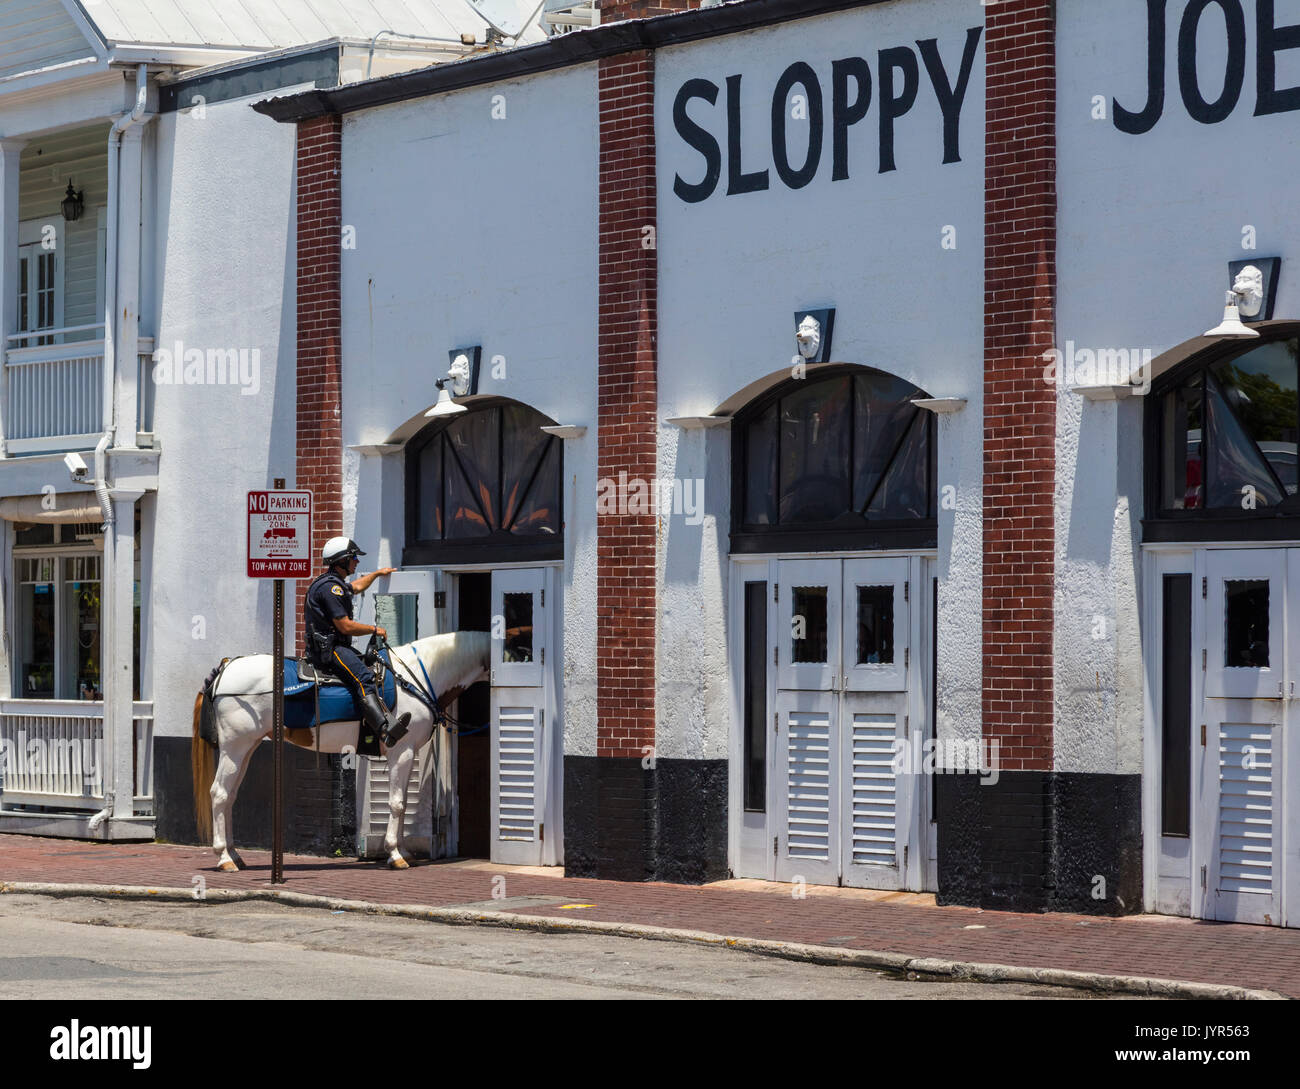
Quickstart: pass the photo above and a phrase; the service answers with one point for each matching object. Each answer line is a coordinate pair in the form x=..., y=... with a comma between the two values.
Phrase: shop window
x=1223, y=437
x=57, y=627
x=484, y=486
x=843, y=461
x=58, y=614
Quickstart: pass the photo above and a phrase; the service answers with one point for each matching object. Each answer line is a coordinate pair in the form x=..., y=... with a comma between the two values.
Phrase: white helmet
x=338, y=549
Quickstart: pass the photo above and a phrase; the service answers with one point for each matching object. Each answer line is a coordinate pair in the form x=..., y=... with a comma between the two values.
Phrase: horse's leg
x=400, y=760
x=231, y=763
x=234, y=792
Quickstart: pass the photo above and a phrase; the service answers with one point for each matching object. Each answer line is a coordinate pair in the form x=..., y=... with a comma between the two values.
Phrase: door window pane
x=519, y=628
x=398, y=615
x=1245, y=624
x=875, y=625
x=808, y=625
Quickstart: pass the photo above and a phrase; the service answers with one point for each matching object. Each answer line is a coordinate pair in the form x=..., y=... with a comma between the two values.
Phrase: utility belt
x=320, y=647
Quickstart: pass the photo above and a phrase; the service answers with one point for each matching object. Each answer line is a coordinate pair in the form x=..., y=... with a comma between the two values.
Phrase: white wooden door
x=520, y=766
x=842, y=813
x=1240, y=811
x=878, y=778
x=404, y=605
x=804, y=782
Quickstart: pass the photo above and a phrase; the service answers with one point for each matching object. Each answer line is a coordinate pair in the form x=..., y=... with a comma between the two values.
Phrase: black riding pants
x=346, y=664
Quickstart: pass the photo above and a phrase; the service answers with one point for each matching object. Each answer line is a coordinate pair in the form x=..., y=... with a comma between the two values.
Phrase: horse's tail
x=203, y=767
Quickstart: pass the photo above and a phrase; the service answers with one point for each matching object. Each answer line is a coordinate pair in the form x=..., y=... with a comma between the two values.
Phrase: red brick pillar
x=625, y=580
x=1019, y=446
x=609, y=799
x=319, y=374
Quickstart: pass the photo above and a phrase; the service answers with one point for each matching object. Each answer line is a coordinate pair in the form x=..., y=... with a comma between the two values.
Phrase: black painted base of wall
x=624, y=822
x=320, y=810
x=1041, y=841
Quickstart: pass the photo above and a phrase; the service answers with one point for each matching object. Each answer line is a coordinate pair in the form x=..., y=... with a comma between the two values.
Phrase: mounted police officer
x=330, y=627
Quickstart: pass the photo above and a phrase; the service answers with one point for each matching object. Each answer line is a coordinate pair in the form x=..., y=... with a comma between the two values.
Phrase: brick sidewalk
x=1183, y=949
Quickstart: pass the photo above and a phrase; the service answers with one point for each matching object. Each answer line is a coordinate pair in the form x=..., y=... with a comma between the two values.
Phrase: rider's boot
x=381, y=720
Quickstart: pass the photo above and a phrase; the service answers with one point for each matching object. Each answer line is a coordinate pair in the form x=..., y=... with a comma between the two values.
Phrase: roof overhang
x=562, y=51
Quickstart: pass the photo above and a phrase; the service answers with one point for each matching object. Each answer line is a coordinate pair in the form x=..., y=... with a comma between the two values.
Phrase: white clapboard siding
x=875, y=790
x=808, y=781
x=36, y=34
x=44, y=168
x=517, y=778
x=1246, y=808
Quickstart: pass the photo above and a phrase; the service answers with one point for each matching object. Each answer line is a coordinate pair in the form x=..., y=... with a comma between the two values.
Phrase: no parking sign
x=279, y=535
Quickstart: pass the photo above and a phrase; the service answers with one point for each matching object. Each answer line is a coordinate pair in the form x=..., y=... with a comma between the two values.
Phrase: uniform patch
x=337, y=589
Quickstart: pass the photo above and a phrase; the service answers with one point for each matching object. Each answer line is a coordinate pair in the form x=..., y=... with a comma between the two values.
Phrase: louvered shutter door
x=807, y=766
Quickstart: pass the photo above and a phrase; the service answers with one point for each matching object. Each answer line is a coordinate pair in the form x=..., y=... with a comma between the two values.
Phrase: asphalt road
x=86, y=948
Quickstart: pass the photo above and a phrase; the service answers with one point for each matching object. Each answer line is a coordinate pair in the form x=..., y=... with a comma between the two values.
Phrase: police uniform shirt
x=330, y=599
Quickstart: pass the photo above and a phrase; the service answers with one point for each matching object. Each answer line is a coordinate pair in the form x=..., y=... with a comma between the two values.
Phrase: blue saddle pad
x=335, y=700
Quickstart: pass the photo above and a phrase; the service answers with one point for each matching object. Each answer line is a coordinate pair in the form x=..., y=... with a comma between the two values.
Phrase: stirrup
x=398, y=730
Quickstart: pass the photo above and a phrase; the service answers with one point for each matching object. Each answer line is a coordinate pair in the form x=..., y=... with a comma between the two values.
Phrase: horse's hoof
x=398, y=863
x=228, y=867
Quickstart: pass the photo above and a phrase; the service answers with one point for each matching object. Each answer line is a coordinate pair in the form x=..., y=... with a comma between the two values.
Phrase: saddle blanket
x=335, y=700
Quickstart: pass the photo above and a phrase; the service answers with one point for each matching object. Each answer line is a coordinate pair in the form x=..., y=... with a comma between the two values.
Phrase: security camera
x=77, y=466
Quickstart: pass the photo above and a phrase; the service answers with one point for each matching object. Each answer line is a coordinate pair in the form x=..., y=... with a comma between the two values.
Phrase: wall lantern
x=73, y=203
x=462, y=376
x=445, y=406
x=1253, y=292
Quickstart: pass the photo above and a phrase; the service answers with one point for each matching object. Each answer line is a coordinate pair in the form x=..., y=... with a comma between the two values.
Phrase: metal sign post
x=279, y=547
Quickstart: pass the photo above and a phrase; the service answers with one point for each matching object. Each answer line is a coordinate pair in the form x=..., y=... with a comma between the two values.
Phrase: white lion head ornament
x=1249, y=289
x=809, y=337
x=459, y=374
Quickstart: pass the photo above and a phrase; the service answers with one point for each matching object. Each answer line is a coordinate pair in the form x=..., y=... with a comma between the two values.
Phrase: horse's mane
x=447, y=657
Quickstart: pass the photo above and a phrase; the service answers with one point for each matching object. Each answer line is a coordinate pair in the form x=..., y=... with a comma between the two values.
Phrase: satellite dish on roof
x=510, y=18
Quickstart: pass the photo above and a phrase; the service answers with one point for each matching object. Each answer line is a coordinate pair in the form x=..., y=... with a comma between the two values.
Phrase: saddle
x=310, y=691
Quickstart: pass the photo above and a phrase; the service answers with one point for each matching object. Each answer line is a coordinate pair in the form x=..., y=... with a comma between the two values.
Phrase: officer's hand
x=386, y=571
x=381, y=633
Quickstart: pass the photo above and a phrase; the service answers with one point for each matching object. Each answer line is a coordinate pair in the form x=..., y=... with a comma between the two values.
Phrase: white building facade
x=842, y=432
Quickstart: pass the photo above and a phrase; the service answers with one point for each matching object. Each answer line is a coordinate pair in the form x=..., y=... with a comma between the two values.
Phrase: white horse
x=242, y=706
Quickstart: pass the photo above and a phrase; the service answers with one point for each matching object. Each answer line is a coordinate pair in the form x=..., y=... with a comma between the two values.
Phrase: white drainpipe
x=108, y=644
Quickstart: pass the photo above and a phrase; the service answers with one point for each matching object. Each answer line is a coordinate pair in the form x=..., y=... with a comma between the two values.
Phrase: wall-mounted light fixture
x=462, y=377
x=445, y=406
x=73, y=203
x=1253, y=291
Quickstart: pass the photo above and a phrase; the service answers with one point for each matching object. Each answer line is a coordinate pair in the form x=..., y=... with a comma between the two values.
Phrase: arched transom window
x=484, y=486
x=844, y=460
x=1222, y=435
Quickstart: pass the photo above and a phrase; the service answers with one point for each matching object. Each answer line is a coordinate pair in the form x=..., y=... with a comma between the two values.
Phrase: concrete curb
x=912, y=967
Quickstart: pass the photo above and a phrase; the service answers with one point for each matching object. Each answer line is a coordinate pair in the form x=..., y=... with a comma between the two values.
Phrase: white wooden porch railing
x=52, y=754
x=55, y=394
